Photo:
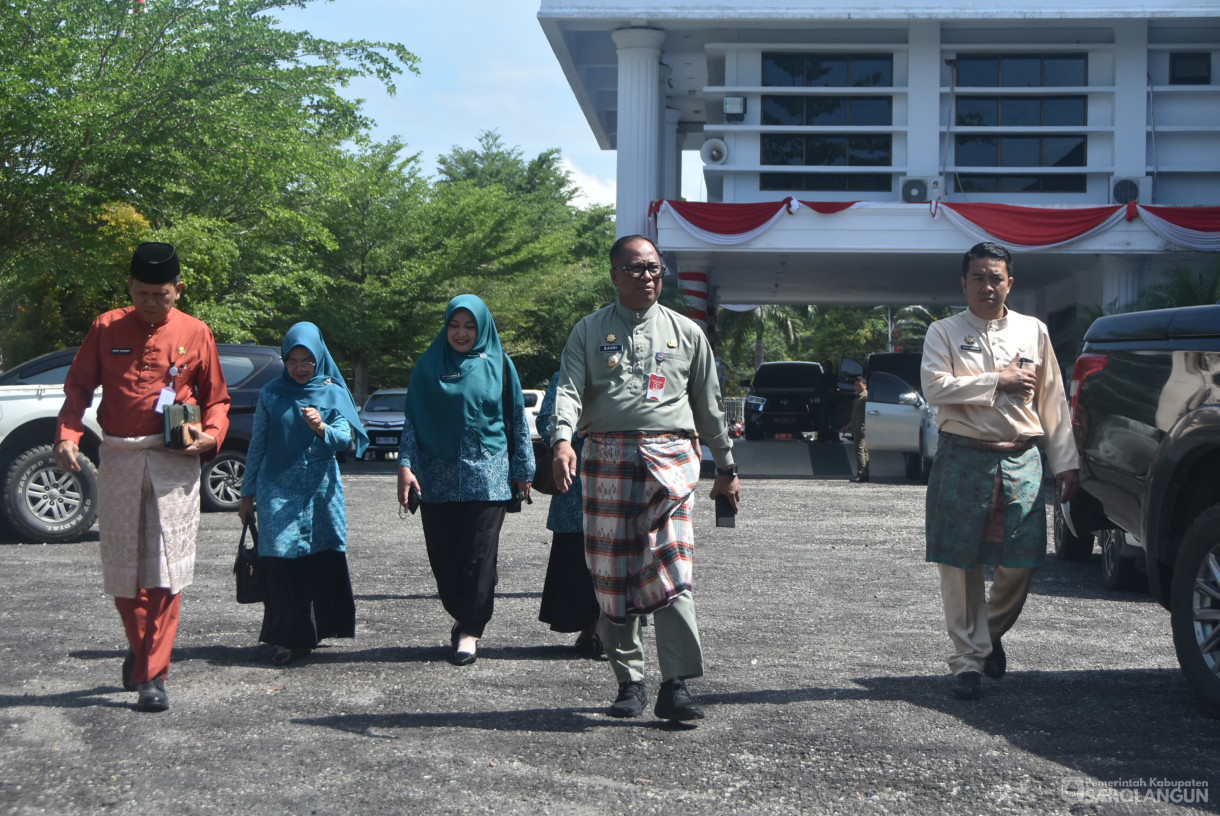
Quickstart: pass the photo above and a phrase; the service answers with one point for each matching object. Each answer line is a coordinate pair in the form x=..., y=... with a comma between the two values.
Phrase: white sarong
x=148, y=515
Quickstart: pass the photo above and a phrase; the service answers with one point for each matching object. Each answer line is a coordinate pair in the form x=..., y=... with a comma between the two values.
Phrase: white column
x=671, y=156
x=1130, y=97
x=925, y=114
x=1120, y=280
x=639, y=112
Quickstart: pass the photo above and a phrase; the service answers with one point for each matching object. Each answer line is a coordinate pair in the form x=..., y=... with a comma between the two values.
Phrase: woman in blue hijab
x=454, y=456
x=301, y=421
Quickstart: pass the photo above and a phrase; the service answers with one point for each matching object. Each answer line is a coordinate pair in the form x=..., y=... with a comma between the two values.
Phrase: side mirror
x=910, y=398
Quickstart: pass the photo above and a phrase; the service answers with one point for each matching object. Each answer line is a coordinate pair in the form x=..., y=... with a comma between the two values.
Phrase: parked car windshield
x=384, y=402
x=787, y=375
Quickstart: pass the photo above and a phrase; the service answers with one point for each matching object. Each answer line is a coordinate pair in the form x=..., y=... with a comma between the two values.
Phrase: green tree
x=200, y=115
x=1181, y=287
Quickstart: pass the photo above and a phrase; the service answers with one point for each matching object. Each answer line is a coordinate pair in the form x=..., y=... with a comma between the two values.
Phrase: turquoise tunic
x=300, y=512
x=477, y=474
x=567, y=514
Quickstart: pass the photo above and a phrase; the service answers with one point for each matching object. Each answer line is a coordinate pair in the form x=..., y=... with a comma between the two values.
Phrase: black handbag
x=247, y=568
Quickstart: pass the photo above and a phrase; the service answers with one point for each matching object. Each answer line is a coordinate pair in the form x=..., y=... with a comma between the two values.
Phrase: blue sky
x=483, y=65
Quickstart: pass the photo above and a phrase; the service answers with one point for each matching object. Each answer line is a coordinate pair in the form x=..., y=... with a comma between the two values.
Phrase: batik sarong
x=985, y=504
x=148, y=515
x=639, y=542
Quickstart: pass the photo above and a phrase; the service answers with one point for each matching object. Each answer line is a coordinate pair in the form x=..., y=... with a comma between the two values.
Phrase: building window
x=1190, y=68
x=981, y=150
x=827, y=150
x=1021, y=111
x=784, y=70
x=827, y=110
x=1021, y=70
x=827, y=182
x=1031, y=183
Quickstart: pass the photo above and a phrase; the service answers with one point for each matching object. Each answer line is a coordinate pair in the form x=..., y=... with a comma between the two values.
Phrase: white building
x=916, y=112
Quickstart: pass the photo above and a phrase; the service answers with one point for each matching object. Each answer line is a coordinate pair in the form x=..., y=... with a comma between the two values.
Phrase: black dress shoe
x=464, y=658
x=630, y=701
x=997, y=662
x=129, y=663
x=675, y=704
x=152, y=696
x=966, y=685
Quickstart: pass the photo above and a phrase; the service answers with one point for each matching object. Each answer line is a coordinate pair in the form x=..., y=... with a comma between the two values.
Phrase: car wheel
x=220, y=481
x=44, y=503
x=1194, y=607
x=1069, y=547
x=914, y=465
x=1117, y=572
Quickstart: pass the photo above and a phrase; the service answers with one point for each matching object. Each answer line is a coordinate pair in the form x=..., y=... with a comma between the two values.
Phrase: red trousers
x=151, y=622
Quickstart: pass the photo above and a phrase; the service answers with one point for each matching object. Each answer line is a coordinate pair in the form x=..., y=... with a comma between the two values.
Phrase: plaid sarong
x=985, y=504
x=639, y=542
x=148, y=515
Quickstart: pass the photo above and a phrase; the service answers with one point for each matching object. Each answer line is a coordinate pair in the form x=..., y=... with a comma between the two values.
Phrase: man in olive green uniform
x=640, y=380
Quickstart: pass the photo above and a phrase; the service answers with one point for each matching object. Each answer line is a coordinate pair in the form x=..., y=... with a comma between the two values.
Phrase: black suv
x=783, y=400
x=247, y=369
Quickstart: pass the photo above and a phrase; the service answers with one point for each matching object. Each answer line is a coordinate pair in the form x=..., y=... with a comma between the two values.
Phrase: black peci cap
x=155, y=262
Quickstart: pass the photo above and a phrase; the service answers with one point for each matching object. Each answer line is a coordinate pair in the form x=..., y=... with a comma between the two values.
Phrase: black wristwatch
x=731, y=470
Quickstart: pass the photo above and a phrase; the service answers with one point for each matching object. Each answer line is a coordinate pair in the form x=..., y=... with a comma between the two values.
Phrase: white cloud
x=595, y=190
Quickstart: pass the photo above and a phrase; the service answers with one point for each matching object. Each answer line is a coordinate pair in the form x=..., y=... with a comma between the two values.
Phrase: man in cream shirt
x=994, y=376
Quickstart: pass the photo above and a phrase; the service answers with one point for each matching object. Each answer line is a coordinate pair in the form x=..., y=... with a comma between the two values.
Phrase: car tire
x=1117, y=572
x=1194, y=607
x=914, y=465
x=45, y=504
x=220, y=481
x=1069, y=547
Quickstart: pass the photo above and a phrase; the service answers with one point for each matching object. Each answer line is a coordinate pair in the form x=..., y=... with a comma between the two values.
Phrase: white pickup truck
x=39, y=501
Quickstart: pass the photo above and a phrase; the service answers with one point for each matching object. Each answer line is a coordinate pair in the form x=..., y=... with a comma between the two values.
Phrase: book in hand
x=177, y=432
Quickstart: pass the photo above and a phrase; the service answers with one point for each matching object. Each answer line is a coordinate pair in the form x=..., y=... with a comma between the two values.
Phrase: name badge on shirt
x=611, y=348
x=120, y=351
x=166, y=397
x=971, y=348
x=656, y=385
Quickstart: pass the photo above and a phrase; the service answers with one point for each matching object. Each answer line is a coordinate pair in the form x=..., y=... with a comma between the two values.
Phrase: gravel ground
x=826, y=687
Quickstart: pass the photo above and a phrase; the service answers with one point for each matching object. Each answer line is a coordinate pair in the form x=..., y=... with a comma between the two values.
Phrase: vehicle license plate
x=385, y=440
x=782, y=436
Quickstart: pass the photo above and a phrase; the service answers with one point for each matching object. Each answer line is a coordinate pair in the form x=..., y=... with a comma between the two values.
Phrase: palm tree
x=912, y=324
x=1181, y=287
x=735, y=327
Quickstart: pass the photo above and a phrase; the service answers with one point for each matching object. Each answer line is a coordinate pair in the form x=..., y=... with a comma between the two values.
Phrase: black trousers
x=307, y=599
x=569, y=603
x=463, y=540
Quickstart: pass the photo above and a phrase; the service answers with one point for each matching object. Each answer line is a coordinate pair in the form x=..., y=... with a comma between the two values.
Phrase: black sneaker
x=129, y=663
x=630, y=701
x=966, y=685
x=153, y=696
x=996, y=663
x=675, y=704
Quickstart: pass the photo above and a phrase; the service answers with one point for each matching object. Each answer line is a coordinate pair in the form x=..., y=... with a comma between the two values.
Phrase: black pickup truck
x=1145, y=398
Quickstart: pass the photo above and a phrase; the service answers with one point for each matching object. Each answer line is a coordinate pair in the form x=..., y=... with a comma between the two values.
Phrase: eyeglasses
x=290, y=363
x=641, y=270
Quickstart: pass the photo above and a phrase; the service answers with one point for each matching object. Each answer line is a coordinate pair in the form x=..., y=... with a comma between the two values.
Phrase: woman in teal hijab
x=301, y=421
x=454, y=456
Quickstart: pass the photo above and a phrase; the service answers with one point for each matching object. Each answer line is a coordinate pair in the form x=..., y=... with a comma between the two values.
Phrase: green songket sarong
x=963, y=492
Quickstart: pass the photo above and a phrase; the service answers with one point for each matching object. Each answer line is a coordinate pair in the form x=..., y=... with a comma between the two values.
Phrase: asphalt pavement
x=826, y=688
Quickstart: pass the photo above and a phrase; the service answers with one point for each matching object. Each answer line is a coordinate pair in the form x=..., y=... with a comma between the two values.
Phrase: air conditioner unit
x=918, y=190
x=714, y=151
x=1123, y=190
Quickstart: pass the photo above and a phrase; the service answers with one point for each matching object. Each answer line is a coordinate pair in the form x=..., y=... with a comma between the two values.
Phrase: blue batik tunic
x=567, y=513
x=301, y=511
x=476, y=475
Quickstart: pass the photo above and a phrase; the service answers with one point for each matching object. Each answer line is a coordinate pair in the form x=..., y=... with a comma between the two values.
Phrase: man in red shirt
x=145, y=357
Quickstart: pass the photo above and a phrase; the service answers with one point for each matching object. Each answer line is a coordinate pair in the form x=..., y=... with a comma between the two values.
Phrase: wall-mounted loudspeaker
x=714, y=151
